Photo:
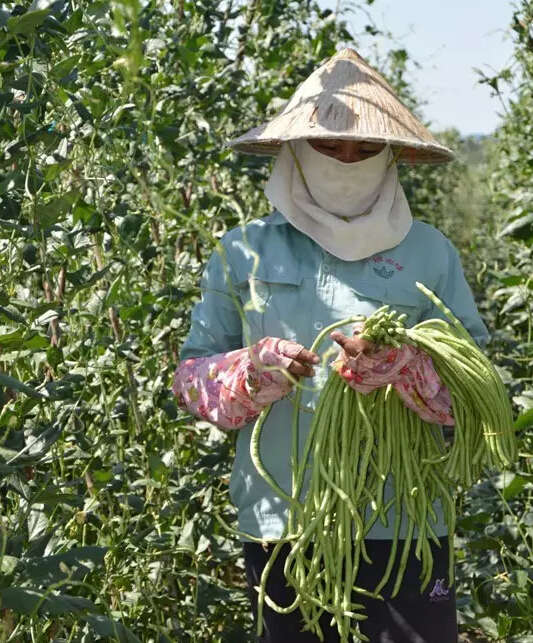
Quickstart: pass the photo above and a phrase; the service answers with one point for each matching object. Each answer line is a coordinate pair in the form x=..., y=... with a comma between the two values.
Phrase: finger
x=305, y=356
x=362, y=345
x=338, y=337
x=352, y=345
x=300, y=369
x=298, y=352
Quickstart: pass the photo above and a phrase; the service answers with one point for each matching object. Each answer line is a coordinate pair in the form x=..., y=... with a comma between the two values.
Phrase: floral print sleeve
x=411, y=372
x=231, y=389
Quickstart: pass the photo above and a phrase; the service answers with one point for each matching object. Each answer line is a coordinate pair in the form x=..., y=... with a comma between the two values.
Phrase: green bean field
x=115, y=186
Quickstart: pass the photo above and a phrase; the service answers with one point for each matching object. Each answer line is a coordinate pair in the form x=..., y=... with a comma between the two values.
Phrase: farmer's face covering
x=346, y=189
x=352, y=210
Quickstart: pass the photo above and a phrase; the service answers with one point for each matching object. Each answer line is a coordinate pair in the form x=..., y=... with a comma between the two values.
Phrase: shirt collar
x=276, y=218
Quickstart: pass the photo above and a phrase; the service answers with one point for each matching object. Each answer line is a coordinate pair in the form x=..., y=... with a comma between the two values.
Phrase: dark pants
x=410, y=617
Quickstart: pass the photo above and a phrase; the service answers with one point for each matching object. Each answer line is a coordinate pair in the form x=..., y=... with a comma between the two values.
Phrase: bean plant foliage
x=115, y=185
x=496, y=548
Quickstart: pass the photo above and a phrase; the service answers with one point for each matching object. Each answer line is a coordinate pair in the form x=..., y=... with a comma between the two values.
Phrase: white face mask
x=345, y=189
x=352, y=210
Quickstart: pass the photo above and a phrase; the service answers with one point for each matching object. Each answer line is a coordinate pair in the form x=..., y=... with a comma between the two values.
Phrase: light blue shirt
x=294, y=290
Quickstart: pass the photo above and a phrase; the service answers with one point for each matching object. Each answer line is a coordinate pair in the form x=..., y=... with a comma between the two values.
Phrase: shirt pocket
x=271, y=299
x=410, y=302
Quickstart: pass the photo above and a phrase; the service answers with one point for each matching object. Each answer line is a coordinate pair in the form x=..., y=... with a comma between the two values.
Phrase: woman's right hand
x=294, y=357
x=302, y=360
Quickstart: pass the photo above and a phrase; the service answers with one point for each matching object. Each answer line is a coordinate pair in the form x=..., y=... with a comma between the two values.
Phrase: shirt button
x=318, y=325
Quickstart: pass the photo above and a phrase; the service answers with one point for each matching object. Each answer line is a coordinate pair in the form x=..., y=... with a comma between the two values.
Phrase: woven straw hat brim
x=345, y=98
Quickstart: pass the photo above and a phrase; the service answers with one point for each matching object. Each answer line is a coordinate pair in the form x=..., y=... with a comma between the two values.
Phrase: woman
x=340, y=242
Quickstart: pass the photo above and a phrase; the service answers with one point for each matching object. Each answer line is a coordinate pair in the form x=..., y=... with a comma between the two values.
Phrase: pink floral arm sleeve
x=411, y=372
x=231, y=389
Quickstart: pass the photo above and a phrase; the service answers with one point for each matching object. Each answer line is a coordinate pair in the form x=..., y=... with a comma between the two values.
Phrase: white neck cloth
x=352, y=210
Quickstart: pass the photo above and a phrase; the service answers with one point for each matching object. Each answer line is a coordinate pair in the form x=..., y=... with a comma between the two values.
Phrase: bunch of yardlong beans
x=357, y=442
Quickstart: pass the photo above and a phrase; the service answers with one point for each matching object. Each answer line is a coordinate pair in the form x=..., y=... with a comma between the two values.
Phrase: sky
x=448, y=38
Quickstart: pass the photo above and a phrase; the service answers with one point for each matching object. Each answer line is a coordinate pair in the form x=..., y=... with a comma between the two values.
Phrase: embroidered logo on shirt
x=439, y=592
x=388, y=267
x=383, y=272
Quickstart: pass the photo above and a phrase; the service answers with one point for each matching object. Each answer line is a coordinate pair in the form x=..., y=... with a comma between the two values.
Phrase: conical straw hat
x=346, y=98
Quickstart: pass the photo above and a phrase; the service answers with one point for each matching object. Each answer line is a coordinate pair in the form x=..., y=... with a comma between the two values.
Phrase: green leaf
x=47, y=317
x=74, y=21
x=203, y=544
x=519, y=226
x=13, y=340
x=516, y=300
x=8, y=564
x=54, y=356
x=29, y=600
x=29, y=254
x=102, y=476
x=170, y=408
x=504, y=478
x=80, y=561
x=504, y=625
x=27, y=22
x=521, y=577
x=513, y=280
x=7, y=454
x=19, y=339
x=87, y=214
x=475, y=521
x=171, y=294
x=104, y=626
x=136, y=503
x=13, y=316
x=64, y=67
x=489, y=626
x=186, y=540
x=485, y=542
x=158, y=470
x=129, y=226
x=36, y=342
x=55, y=210
x=53, y=170
x=17, y=385
x=524, y=420
x=525, y=400
x=40, y=445
x=51, y=497
x=78, y=280
x=113, y=292
x=5, y=98
x=9, y=417
x=83, y=112
x=515, y=487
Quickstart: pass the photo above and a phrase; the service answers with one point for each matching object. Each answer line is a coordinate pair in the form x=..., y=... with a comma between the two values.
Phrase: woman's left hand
x=352, y=345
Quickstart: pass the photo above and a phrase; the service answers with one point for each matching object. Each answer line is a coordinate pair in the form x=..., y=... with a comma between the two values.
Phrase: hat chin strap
x=371, y=210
